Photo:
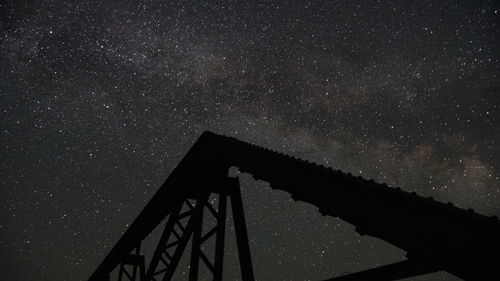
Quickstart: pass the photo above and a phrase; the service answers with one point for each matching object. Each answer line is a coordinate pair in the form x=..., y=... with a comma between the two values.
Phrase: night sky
x=100, y=100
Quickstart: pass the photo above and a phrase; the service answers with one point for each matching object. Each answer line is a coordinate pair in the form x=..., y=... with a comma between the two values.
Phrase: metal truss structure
x=436, y=236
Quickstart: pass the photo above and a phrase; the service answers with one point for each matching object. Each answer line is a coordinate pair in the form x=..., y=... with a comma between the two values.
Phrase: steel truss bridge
x=435, y=236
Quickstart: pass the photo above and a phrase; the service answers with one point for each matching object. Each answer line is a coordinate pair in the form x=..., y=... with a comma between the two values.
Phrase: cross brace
x=185, y=222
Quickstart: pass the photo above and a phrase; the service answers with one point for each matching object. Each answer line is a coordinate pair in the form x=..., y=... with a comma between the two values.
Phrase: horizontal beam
x=395, y=271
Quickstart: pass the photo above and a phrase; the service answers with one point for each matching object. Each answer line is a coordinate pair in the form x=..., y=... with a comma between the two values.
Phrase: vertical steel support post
x=241, y=232
x=197, y=219
x=219, y=239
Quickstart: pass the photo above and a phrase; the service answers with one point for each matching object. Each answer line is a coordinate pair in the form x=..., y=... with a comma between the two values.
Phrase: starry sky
x=101, y=99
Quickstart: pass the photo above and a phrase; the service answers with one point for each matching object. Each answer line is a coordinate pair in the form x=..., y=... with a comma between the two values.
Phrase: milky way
x=100, y=100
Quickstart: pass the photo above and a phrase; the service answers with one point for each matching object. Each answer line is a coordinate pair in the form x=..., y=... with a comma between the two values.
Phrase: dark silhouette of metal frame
x=436, y=236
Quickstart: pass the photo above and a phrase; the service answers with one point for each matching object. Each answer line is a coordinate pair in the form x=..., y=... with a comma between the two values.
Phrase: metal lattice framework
x=436, y=236
x=185, y=222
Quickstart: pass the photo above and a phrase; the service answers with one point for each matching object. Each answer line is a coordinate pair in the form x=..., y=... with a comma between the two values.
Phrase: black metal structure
x=436, y=236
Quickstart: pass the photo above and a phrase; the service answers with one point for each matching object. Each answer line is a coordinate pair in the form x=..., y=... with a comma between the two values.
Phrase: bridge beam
x=394, y=271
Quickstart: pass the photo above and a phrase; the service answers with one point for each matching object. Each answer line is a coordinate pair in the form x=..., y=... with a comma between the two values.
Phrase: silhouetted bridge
x=436, y=236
